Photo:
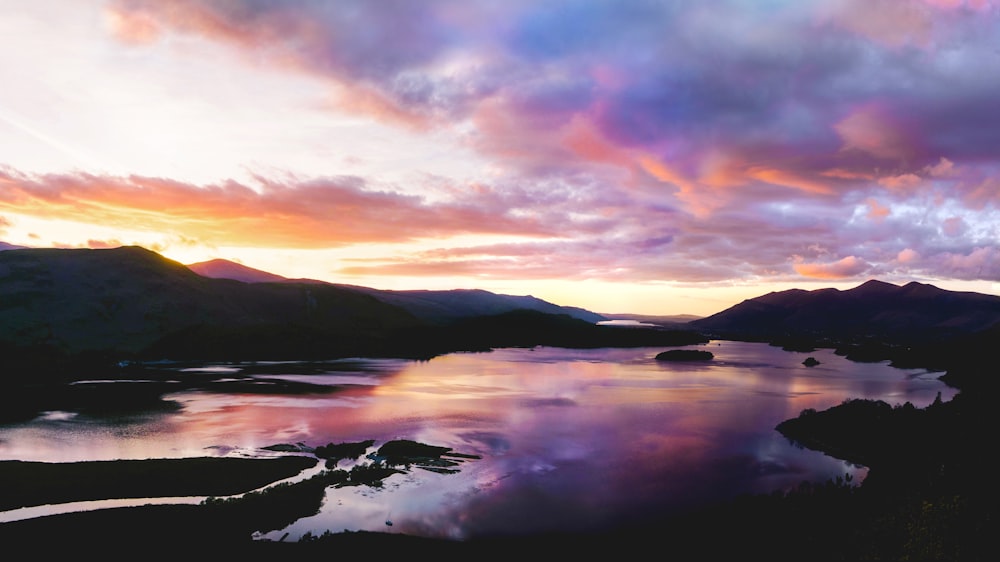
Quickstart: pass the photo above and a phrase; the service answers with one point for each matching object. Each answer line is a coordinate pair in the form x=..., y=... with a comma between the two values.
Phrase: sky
x=640, y=156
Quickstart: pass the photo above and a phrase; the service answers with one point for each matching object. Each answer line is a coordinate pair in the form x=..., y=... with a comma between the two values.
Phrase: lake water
x=569, y=440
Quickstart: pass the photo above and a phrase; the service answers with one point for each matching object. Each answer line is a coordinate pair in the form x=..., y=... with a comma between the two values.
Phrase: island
x=685, y=355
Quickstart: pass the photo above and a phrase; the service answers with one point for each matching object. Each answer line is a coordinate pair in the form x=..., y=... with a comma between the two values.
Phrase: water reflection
x=569, y=439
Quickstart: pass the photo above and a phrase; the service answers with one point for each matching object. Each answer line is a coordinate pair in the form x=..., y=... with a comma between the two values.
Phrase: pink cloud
x=943, y=168
x=908, y=256
x=893, y=23
x=900, y=182
x=876, y=211
x=953, y=226
x=980, y=263
x=983, y=194
x=873, y=129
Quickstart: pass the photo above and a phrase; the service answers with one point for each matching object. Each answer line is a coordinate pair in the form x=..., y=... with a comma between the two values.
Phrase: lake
x=568, y=440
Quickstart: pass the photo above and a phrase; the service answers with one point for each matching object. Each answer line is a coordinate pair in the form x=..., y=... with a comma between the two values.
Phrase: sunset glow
x=643, y=157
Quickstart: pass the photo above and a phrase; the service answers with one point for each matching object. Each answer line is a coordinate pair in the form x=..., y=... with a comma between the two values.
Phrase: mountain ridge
x=437, y=307
x=909, y=313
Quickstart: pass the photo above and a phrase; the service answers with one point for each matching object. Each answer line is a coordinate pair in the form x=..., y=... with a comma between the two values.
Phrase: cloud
x=876, y=211
x=980, y=263
x=943, y=168
x=874, y=129
x=893, y=23
x=814, y=97
x=103, y=244
x=953, y=226
x=900, y=182
x=849, y=266
x=314, y=213
x=908, y=256
x=652, y=141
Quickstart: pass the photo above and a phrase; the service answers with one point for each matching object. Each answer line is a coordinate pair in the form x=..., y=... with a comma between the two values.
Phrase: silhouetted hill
x=129, y=300
x=448, y=306
x=434, y=307
x=63, y=306
x=873, y=311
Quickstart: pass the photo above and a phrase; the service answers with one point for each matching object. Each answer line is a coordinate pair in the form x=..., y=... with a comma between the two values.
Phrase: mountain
x=131, y=300
x=437, y=308
x=447, y=306
x=8, y=246
x=874, y=310
x=225, y=269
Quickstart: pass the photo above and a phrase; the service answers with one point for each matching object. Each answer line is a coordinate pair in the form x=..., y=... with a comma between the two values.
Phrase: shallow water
x=568, y=439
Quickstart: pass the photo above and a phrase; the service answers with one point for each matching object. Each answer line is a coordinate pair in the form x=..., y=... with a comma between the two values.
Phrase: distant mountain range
x=875, y=310
x=130, y=302
x=435, y=307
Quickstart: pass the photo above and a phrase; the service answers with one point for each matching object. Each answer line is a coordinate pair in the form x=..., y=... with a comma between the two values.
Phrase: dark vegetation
x=336, y=452
x=24, y=484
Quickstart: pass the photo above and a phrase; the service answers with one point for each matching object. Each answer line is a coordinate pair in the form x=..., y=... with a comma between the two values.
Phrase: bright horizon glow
x=646, y=158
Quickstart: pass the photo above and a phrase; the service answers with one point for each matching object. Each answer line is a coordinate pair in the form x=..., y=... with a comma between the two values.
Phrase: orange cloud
x=843, y=268
x=701, y=202
x=842, y=174
x=132, y=27
x=785, y=178
x=306, y=214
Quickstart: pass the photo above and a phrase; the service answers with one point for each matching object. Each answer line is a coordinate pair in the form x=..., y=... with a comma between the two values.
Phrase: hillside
x=875, y=310
x=130, y=300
